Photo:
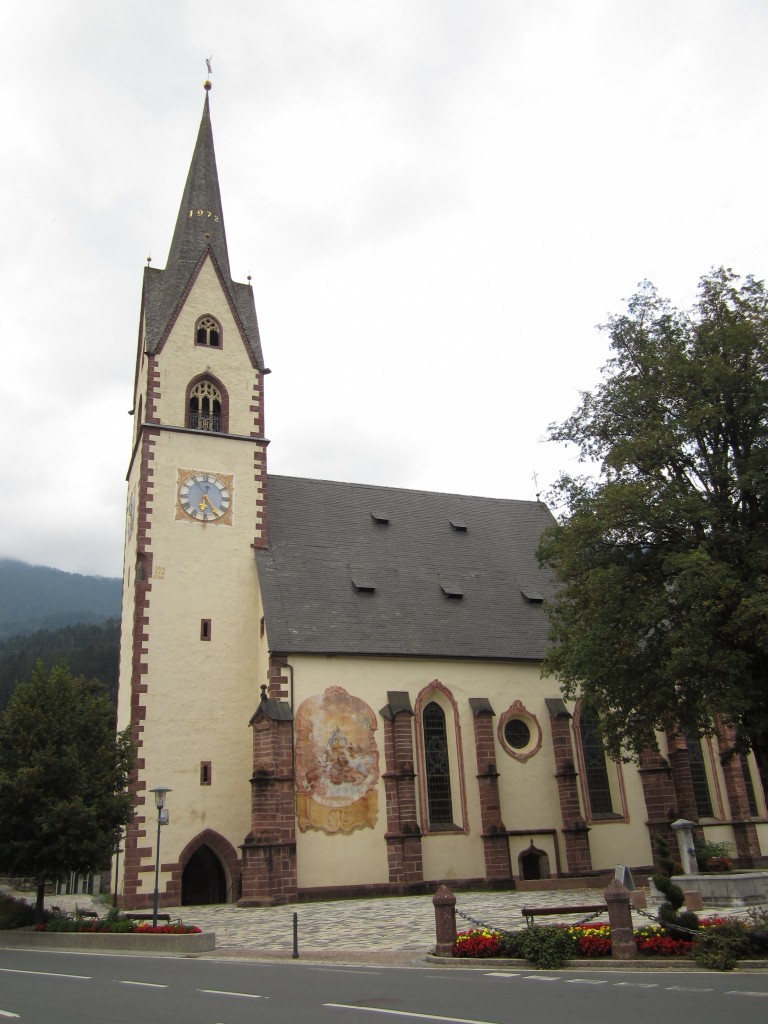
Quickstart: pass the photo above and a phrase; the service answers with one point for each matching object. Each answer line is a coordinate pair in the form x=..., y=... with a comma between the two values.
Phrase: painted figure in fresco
x=337, y=762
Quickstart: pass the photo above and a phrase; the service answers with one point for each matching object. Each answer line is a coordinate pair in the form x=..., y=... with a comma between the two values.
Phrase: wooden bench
x=148, y=917
x=529, y=913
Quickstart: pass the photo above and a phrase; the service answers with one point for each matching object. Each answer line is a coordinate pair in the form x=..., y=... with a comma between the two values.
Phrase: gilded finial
x=149, y=260
x=207, y=82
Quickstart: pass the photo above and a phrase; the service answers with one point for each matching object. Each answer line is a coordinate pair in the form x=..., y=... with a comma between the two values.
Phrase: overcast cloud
x=438, y=200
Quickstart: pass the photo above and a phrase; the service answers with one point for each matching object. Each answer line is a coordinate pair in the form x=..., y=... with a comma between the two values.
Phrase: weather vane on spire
x=207, y=82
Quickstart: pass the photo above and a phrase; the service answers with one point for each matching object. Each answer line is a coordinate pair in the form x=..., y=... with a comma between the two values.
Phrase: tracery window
x=749, y=785
x=208, y=332
x=595, y=767
x=701, y=793
x=204, y=407
x=438, y=772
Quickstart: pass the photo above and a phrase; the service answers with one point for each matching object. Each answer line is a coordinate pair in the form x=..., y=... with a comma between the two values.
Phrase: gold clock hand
x=207, y=503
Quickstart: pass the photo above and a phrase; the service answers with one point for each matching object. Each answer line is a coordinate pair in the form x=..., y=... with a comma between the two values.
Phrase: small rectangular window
x=206, y=773
x=205, y=629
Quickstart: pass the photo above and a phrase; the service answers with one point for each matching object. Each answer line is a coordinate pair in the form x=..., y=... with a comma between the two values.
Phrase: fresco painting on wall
x=337, y=763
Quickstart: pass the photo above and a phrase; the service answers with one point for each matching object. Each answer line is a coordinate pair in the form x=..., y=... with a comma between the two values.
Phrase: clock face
x=205, y=497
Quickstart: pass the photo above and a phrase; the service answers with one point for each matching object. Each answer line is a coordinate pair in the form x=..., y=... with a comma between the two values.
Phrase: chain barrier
x=506, y=931
x=482, y=924
x=654, y=918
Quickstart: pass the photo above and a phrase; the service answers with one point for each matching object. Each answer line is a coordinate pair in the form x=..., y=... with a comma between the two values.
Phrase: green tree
x=662, y=618
x=63, y=778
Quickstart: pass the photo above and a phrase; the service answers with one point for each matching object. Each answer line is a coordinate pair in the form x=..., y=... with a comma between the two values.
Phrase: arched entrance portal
x=203, y=880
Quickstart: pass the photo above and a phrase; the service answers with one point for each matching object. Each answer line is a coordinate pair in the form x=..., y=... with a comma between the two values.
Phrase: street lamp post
x=162, y=819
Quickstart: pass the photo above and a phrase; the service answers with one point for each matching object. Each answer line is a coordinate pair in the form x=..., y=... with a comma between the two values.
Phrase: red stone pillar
x=575, y=829
x=623, y=945
x=680, y=763
x=403, y=836
x=444, y=903
x=498, y=867
x=744, y=830
x=660, y=798
x=269, y=850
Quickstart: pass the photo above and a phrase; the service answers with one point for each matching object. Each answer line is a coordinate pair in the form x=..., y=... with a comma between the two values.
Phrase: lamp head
x=160, y=792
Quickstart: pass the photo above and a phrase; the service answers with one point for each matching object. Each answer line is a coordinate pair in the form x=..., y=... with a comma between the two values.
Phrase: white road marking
x=219, y=992
x=501, y=974
x=585, y=981
x=738, y=992
x=7, y=1013
x=46, y=974
x=687, y=988
x=540, y=977
x=637, y=984
x=406, y=1013
x=144, y=984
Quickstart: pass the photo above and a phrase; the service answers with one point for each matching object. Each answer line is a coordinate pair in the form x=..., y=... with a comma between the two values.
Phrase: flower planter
x=124, y=942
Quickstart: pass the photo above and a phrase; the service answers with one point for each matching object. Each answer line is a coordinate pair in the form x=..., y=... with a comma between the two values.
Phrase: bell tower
x=191, y=652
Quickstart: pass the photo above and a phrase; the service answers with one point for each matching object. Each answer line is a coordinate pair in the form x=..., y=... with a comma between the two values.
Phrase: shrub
x=713, y=856
x=15, y=913
x=688, y=920
x=722, y=947
x=674, y=894
x=548, y=947
x=666, y=864
x=512, y=945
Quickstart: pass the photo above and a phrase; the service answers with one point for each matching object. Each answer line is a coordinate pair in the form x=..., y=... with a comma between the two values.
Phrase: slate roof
x=194, y=237
x=324, y=535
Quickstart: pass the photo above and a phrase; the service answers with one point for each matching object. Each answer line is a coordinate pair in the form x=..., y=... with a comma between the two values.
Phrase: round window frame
x=518, y=712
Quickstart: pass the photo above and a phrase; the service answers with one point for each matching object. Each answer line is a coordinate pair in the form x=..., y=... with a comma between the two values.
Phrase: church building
x=340, y=683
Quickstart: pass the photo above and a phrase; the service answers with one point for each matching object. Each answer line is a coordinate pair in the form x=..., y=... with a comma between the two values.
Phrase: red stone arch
x=226, y=853
x=437, y=691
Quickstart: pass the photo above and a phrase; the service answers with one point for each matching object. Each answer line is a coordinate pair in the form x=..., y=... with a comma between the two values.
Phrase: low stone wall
x=729, y=889
x=119, y=942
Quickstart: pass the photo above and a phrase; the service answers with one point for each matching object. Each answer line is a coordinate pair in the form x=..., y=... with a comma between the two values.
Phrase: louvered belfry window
x=205, y=407
x=438, y=774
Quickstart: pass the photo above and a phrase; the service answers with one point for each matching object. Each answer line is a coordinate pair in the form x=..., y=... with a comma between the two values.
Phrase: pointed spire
x=199, y=229
x=201, y=221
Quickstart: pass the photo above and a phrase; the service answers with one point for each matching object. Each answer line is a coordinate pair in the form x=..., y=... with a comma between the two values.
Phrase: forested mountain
x=34, y=597
x=90, y=650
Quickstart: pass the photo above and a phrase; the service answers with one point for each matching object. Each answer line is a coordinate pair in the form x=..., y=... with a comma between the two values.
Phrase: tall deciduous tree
x=63, y=778
x=662, y=619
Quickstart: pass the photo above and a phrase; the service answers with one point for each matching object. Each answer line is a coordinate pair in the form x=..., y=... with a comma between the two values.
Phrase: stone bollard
x=444, y=903
x=623, y=945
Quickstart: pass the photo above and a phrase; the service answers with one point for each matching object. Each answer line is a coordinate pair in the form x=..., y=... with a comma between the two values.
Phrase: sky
x=438, y=202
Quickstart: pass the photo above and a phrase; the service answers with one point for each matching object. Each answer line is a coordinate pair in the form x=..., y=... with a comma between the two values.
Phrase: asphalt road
x=71, y=988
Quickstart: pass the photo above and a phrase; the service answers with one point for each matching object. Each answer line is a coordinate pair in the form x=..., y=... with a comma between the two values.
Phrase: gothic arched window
x=598, y=787
x=438, y=772
x=208, y=332
x=699, y=780
x=204, y=411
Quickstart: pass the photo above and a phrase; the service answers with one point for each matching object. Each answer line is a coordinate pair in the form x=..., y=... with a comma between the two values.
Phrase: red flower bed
x=477, y=943
x=663, y=945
